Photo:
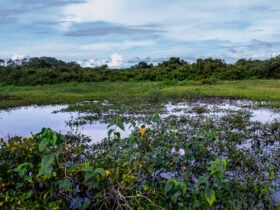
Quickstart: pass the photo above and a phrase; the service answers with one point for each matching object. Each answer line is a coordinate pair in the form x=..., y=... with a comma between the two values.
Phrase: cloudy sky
x=126, y=31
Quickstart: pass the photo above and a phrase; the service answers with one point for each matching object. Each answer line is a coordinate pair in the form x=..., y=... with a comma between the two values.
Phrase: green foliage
x=156, y=167
x=175, y=190
x=210, y=196
x=46, y=165
x=46, y=70
x=49, y=139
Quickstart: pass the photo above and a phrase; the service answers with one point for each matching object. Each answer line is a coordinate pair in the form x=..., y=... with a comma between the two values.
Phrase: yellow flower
x=184, y=169
x=145, y=187
x=142, y=131
x=107, y=172
x=13, y=148
x=55, y=208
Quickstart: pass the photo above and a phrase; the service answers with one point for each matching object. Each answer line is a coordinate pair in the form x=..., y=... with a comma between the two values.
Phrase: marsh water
x=263, y=123
x=24, y=121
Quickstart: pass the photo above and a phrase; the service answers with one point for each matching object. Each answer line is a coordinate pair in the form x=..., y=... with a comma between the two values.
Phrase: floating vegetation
x=201, y=154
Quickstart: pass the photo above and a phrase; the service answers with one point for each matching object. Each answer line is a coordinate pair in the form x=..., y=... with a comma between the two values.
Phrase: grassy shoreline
x=68, y=93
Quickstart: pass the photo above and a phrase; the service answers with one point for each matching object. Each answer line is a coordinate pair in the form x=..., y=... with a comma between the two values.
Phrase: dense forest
x=47, y=70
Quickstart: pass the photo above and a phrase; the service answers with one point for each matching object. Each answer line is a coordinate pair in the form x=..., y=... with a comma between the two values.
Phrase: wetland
x=143, y=147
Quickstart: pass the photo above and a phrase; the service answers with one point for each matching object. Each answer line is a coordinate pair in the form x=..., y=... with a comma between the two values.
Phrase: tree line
x=47, y=70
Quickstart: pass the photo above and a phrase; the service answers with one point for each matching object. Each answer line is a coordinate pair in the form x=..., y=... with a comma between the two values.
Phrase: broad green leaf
x=87, y=169
x=203, y=179
x=43, y=144
x=120, y=124
x=210, y=196
x=169, y=186
x=57, y=139
x=46, y=165
x=49, y=136
x=88, y=176
x=99, y=171
x=64, y=184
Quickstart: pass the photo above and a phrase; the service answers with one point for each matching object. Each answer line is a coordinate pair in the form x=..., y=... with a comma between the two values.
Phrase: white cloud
x=182, y=28
x=117, y=11
x=116, y=60
x=19, y=57
x=116, y=45
x=184, y=20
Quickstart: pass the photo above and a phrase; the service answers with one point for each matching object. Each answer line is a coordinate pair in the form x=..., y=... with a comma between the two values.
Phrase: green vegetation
x=161, y=165
x=65, y=93
x=47, y=70
x=179, y=162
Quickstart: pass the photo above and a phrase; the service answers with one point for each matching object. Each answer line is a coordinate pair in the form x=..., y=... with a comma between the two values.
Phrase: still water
x=24, y=121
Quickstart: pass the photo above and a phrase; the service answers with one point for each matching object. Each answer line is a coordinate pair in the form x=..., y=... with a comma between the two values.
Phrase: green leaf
x=88, y=176
x=28, y=194
x=19, y=185
x=43, y=144
x=86, y=205
x=99, y=171
x=117, y=135
x=203, y=179
x=169, y=186
x=46, y=165
x=64, y=184
x=47, y=137
x=87, y=169
x=216, y=171
x=110, y=131
x=57, y=139
x=156, y=117
x=183, y=188
x=22, y=168
x=120, y=124
x=210, y=196
x=224, y=163
x=177, y=194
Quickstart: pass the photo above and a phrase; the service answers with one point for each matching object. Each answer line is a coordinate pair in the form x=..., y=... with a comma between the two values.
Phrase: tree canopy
x=48, y=70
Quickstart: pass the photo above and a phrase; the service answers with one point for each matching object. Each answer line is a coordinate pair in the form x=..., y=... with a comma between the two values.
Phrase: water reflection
x=26, y=120
x=219, y=110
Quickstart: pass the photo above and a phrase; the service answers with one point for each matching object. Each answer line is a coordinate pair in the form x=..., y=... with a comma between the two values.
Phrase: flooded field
x=241, y=133
x=24, y=121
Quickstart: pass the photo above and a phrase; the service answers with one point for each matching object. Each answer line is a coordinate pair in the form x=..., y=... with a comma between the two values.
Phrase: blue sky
x=127, y=31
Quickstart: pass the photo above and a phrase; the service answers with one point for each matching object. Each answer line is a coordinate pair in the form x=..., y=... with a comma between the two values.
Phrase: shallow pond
x=24, y=121
x=223, y=108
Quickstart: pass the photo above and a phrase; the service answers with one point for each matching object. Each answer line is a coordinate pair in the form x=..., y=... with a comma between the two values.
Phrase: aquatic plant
x=156, y=167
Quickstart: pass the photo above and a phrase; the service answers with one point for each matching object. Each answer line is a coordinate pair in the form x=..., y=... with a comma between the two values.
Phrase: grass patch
x=67, y=93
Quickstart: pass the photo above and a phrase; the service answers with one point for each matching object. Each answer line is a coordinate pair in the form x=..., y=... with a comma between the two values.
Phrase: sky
x=124, y=32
